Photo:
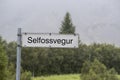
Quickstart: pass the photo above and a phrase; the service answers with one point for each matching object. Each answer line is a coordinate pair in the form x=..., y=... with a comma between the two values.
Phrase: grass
x=119, y=76
x=61, y=77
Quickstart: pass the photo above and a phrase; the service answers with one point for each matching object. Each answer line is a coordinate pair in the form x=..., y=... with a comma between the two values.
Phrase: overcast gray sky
x=95, y=20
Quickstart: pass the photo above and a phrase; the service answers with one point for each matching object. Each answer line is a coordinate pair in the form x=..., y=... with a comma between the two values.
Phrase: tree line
x=42, y=61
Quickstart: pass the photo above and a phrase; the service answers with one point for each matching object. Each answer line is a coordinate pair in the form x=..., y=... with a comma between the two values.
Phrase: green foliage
x=42, y=61
x=11, y=72
x=67, y=26
x=105, y=53
x=97, y=71
x=3, y=61
x=11, y=52
x=26, y=75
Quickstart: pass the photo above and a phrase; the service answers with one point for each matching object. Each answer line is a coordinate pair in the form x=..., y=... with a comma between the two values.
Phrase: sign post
x=43, y=40
x=18, y=63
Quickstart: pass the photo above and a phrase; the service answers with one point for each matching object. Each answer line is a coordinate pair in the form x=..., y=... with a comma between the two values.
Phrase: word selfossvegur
x=49, y=41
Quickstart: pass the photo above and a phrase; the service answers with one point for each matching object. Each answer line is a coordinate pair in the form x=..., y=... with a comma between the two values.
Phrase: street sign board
x=49, y=40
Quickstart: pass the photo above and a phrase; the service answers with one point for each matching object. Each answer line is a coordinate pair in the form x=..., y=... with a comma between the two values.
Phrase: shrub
x=97, y=71
x=3, y=61
x=26, y=75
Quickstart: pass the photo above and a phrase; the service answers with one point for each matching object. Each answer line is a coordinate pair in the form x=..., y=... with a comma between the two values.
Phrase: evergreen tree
x=67, y=55
x=67, y=26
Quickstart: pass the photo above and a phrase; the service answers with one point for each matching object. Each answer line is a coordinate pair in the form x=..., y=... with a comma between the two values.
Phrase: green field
x=60, y=77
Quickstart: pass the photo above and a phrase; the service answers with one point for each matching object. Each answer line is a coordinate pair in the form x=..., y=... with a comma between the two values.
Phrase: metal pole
x=18, y=54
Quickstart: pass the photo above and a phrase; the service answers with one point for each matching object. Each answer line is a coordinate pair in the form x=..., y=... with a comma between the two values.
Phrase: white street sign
x=49, y=40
